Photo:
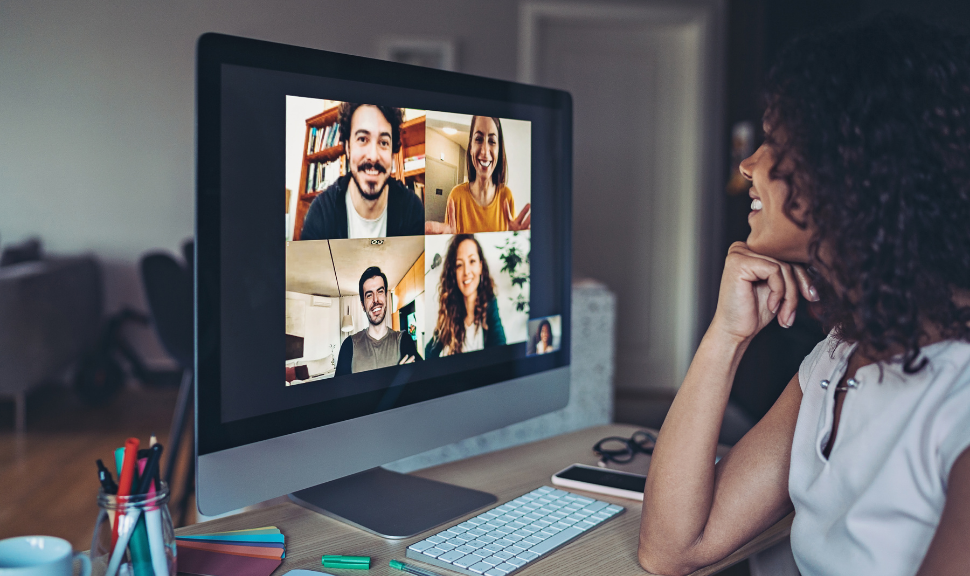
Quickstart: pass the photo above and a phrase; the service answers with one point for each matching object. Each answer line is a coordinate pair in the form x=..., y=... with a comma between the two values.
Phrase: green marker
x=351, y=562
x=412, y=569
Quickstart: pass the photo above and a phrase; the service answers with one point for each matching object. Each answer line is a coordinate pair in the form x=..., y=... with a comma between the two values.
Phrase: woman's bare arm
x=949, y=551
x=694, y=513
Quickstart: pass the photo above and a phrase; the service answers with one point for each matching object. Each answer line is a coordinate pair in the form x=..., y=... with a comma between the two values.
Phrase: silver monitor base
x=390, y=504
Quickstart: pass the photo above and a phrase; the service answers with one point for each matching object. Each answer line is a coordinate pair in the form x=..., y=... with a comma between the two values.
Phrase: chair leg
x=182, y=407
x=20, y=419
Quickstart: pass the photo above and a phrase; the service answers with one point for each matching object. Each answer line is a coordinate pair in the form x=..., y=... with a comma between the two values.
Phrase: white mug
x=40, y=556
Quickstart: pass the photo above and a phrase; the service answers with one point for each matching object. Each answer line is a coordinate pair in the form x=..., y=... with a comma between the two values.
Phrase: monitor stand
x=390, y=504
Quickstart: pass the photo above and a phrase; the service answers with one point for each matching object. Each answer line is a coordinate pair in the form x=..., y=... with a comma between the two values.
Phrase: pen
x=153, y=516
x=107, y=482
x=125, y=482
x=151, y=468
x=412, y=569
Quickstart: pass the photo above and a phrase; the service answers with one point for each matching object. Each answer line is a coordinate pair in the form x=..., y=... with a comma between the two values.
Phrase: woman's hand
x=449, y=226
x=520, y=222
x=755, y=289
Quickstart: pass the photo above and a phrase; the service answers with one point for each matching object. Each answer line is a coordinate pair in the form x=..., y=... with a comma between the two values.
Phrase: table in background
x=608, y=549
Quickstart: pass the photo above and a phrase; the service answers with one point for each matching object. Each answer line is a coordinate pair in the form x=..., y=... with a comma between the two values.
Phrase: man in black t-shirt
x=366, y=202
x=377, y=346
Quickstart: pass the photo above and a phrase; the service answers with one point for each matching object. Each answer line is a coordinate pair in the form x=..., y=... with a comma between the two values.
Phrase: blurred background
x=97, y=170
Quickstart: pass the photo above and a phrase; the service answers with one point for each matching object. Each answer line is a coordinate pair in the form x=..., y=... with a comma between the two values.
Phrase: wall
x=97, y=107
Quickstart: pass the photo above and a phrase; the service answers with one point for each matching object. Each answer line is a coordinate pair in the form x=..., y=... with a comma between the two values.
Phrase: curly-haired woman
x=860, y=203
x=468, y=317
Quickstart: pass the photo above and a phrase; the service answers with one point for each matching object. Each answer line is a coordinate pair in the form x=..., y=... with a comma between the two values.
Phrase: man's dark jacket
x=327, y=217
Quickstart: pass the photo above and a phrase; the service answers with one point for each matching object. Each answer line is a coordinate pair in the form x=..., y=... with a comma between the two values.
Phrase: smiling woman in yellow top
x=484, y=203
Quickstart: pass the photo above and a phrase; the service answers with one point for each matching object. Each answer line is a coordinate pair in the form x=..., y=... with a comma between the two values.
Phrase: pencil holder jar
x=133, y=535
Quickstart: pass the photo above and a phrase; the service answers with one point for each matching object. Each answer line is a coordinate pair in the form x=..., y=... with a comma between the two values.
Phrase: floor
x=48, y=475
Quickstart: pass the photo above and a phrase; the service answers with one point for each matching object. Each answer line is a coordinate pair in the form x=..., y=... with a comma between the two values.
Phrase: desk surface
x=608, y=549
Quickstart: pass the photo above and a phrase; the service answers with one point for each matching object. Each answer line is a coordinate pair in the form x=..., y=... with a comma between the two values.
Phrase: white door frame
x=699, y=213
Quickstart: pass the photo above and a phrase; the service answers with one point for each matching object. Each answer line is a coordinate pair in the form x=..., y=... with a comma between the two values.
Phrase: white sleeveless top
x=873, y=506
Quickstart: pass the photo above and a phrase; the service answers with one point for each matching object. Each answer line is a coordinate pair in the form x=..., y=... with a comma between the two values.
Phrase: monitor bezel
x=214, y=50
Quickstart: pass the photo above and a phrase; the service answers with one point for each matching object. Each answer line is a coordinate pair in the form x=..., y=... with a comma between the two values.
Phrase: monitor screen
x=370, y=236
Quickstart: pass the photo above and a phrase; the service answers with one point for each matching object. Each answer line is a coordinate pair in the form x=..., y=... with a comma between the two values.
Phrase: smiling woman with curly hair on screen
x=468, y=317
x=860, y=203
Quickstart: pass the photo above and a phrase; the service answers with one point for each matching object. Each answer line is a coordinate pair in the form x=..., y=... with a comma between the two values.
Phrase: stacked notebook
x=253, y=552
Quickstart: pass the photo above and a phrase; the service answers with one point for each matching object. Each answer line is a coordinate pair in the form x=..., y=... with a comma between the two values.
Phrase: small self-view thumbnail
x=545, y=335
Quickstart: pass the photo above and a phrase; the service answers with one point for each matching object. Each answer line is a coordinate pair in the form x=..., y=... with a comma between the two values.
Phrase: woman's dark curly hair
x=874, y=122
x=450, y=330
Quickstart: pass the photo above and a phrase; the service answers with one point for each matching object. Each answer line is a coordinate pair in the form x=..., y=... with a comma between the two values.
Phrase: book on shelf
x=322, y=138
x=320, y=175
x=414, y=163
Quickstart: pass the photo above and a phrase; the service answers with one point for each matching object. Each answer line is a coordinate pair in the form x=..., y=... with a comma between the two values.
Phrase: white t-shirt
x=874, y=505
x=358, y=227
x=474, y=340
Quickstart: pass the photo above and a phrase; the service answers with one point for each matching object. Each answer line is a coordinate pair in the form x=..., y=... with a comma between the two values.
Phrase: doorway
x=646, y=85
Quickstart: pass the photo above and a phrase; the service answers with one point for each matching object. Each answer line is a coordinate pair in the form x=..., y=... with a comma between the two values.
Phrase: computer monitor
x=391, y=311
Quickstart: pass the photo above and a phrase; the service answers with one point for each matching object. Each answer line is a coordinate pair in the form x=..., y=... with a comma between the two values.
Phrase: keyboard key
x=436, y=539
x=495, y=572
x=613, y=508
x=476, y=532
x=466, y=549
x=445, y=546
x=451, y=556
x=492, y=561
x=504, y=542
x=434, y=552
x=596, y=506
x=480, y=567
x=494, y=548
x=532, y=540
x=555, y=541
x=488, y=539
x=482, y=553
x=516, y=550
x=527, y=556
x=504, y=555
x=456, y=542
x=506, y=567
x=476, y=520
x=421, y=546
x=466, y=561
x=517, y=562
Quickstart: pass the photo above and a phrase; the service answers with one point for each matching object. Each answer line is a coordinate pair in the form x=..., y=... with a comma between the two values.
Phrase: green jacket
x=494, y=335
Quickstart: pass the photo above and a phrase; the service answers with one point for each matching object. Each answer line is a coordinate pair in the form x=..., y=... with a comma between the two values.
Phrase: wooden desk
x=608, y=549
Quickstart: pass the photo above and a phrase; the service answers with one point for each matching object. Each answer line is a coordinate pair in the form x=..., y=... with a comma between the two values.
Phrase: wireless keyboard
x=511, y=536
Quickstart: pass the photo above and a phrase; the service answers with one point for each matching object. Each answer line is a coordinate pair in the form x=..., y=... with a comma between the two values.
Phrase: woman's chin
x=795, y=255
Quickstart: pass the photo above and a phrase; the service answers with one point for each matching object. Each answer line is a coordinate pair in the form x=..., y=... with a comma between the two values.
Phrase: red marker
x=125, y=482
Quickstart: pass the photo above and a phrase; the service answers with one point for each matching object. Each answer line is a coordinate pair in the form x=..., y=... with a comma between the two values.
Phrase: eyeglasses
x=623, y=450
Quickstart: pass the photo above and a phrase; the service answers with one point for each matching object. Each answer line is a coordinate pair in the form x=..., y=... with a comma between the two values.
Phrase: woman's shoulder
x=829, y=351
x=460, y=191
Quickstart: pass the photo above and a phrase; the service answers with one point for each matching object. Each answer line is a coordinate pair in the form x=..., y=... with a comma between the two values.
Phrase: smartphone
x=601, y=480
